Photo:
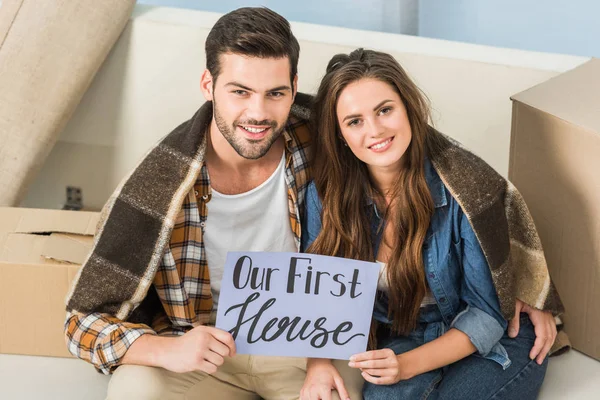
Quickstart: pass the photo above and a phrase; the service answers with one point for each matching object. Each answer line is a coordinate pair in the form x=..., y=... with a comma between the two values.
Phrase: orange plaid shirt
x=182, y=280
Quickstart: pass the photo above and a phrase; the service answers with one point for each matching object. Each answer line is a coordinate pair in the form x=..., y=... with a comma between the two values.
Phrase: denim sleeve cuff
x=482, y=329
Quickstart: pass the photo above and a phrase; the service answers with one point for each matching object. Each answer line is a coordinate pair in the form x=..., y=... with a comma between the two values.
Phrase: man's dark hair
x=251, y=31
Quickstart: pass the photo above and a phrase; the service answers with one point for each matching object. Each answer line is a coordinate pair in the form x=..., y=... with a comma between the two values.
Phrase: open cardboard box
x=555, y=164
x=40, y=253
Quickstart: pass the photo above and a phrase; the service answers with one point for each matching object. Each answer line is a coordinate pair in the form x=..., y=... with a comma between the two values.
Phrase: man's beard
x=249, y=149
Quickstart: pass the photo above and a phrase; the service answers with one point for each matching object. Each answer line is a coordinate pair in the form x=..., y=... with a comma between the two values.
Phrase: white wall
x=149, y=84
x=558, y=26
x=395, y=16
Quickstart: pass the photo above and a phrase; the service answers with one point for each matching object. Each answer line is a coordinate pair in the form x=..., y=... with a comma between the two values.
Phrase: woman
x=385, y=189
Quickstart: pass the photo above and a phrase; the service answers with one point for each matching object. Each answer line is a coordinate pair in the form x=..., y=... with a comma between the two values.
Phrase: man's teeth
x=254, y=130
x=381, y=145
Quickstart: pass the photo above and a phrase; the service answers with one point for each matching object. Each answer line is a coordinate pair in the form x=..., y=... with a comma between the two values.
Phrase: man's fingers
x=513, y=325
x=540, y=341
x=316, y=393
x=218, y=347
x=208, y=367
x=225, y=338
x=323, y=394
x=341, y=388
x=214, y=358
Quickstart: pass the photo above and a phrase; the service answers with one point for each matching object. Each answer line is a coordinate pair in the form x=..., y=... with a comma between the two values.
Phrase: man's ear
x=206, y=85
x=295, y=87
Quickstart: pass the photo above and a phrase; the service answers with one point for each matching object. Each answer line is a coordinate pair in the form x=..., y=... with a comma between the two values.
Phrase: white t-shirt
x=257, y=220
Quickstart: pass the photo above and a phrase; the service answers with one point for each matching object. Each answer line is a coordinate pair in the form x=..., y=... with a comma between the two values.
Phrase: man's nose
x=257, y=108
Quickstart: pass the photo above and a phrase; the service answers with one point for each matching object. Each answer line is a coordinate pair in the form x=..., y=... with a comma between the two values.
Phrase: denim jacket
x=455, y=267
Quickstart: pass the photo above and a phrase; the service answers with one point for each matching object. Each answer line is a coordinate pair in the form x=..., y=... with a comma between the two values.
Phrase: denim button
x=442, y=299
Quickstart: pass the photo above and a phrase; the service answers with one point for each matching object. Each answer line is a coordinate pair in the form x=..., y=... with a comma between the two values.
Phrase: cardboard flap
x=29, y=220
x=22, y=248
x=573, y=96
x=68, y=248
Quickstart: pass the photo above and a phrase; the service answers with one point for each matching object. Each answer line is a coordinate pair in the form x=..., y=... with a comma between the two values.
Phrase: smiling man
x=232, y=178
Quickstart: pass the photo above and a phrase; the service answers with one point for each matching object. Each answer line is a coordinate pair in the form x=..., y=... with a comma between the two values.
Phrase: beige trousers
x=240, y=377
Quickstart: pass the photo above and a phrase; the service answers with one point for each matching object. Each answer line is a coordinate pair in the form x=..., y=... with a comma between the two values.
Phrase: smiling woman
x=390, y=188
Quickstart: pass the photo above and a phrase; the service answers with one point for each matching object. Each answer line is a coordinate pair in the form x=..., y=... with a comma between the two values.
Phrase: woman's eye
x=385, y=110
x=353, y=122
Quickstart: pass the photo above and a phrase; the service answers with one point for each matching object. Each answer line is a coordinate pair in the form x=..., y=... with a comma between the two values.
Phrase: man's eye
x=240, y=92
x=276, y=94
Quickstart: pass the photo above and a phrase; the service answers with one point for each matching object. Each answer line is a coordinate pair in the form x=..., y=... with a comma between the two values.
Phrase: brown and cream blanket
x=139, y=217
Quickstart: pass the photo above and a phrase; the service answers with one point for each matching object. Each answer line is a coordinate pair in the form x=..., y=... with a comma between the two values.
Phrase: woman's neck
x=383, y=180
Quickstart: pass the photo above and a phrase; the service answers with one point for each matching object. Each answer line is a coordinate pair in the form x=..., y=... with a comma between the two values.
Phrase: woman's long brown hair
x=344, y=186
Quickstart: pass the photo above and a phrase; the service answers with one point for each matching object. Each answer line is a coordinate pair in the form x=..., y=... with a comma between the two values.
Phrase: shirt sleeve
x=481, y=318
x=101, y=339
x=311, y=226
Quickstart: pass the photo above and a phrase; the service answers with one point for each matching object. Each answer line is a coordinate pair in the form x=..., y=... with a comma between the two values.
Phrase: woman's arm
x=383, y=367
x=452, y=346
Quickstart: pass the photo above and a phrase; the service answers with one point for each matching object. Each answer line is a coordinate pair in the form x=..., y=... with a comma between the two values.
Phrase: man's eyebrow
x=240, y=86
x=374, y=109
x=278, y=88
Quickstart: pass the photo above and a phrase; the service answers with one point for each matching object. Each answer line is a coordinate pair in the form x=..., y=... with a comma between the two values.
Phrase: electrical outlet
x=74, y=199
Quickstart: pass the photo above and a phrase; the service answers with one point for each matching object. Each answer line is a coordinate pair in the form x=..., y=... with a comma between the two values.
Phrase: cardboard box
x=555, y=164
x=40, y=253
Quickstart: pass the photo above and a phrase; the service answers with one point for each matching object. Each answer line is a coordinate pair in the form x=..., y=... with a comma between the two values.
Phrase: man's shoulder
x=302, y=106
x=298, y=125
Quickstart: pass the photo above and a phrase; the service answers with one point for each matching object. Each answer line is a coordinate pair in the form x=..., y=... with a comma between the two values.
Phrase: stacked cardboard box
x=555, y=164
x=40, y=254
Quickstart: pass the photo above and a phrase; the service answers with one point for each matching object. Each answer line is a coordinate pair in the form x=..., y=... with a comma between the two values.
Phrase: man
x=231, y=178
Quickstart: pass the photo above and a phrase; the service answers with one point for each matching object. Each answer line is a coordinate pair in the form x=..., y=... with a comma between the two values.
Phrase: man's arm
x=102, y=339
x=203, y=348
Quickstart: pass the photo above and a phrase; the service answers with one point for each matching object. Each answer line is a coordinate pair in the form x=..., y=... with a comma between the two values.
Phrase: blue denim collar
x=436, y=186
